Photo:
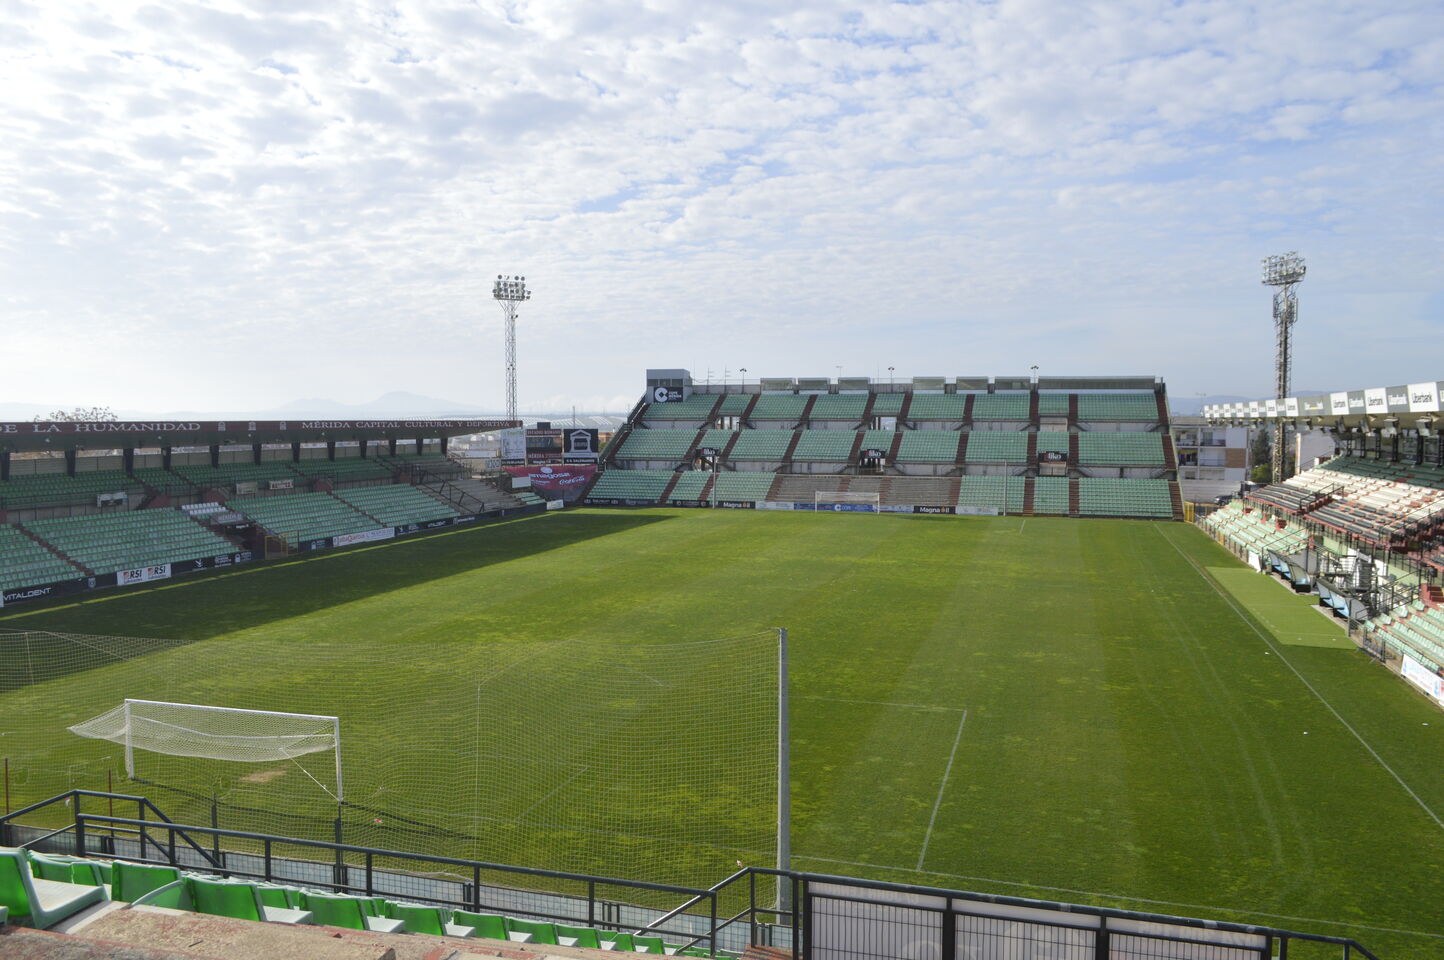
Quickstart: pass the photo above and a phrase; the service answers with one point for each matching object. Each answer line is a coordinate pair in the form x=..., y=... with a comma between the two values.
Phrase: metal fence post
x=804, y=928
x=1101, y=949
x=949, y=932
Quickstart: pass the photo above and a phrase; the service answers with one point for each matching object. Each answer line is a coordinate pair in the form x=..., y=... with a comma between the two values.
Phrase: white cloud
x=314, y=197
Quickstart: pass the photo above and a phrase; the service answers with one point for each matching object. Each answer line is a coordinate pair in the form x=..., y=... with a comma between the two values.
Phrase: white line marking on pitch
x=1195, y=907
x=885, y=703
x=927, y=837
x=1022, y=525
x=1280, y=654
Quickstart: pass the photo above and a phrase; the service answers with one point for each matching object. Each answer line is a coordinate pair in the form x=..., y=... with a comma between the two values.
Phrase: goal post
x=216, y=733
x=846, y=501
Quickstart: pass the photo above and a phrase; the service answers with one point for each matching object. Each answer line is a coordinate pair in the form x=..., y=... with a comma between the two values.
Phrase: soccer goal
x=843, y=501
x=200, y=731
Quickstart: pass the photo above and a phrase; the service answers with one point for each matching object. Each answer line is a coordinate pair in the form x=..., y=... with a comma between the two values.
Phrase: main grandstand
x=1062, y=446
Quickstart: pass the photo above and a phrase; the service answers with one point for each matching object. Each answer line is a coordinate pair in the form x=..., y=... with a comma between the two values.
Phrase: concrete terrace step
x=156, y=933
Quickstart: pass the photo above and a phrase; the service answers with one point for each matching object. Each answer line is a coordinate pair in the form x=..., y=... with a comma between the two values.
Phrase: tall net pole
x=1283, y=272
x=784, y=772
x=509, y=292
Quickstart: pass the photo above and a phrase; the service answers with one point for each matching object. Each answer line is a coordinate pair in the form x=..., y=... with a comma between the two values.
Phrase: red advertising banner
x=560, y=482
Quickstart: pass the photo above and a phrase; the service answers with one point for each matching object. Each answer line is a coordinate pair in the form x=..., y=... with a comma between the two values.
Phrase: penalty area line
x=952, y=754
x=1242, y=615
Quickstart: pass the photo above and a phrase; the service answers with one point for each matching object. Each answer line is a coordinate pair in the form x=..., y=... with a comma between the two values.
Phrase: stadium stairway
x=1177, y=496
x=1028, y=494
x=1074, y=509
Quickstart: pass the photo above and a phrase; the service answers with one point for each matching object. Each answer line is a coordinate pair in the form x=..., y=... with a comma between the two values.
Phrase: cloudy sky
x=237, y=204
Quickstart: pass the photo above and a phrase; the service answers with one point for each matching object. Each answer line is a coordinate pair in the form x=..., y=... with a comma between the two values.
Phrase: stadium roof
x=72, y=435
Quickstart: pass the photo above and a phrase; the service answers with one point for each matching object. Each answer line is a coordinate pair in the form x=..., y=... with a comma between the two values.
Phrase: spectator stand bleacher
x=808, y=428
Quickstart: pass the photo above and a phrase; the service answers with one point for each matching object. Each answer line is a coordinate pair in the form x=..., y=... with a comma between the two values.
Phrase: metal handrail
x=798, y=881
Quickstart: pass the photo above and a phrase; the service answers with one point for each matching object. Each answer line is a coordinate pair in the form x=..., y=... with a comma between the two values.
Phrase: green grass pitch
x=1113, y=712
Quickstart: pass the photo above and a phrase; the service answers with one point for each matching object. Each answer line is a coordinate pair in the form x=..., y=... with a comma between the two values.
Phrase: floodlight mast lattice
x=1285, y=272
x=509, y=292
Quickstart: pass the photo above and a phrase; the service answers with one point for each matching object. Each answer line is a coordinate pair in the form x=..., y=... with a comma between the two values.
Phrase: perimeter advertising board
x=1422, y=677
x=580, y=445
x=513, y=446
x=556, y=482
x=543, y=446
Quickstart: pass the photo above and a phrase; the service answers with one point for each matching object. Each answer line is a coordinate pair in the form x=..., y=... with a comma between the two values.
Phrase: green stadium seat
x=35, y=902
x=1004, y=494
x=833, y=446
x=690, y=485
x=239, y=901
x=842, y=406
x=334, y=910
x=887, y=404
x=734, y=404
x=779, y=406
x=657, y=445
x=425, y=919
x=938, y=406
x=130, y=881
x=1001, y=406
x=928, y=446
x=997, y=446
x=1107, y=497
x=1050, y=495
x=762, y=445
x=631, y=484
x=1139, y=407
x=299, y=517
x=717, y=439
x=395, y=505
x=484, y=925
x=1052, y=404
x=616, y=940
x=578, y=936
x=537, y=931
x=743, y=486
x=1119, y=448
x=1052, y=441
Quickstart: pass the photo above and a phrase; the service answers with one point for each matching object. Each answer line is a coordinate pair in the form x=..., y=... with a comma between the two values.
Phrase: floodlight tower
x=1283, y=271
x=509, y=292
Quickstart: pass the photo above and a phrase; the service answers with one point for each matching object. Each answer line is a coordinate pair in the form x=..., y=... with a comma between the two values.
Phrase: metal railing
x=817, y=916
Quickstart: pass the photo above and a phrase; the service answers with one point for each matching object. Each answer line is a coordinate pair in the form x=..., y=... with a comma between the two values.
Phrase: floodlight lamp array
x=1283, y=269
x=510, y=288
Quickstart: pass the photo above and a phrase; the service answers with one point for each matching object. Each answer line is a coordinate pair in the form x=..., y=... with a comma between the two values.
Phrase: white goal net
x=203, y=731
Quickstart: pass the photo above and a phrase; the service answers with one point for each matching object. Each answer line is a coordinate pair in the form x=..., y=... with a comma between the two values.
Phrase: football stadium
x=897, y=530
x=817, y=667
